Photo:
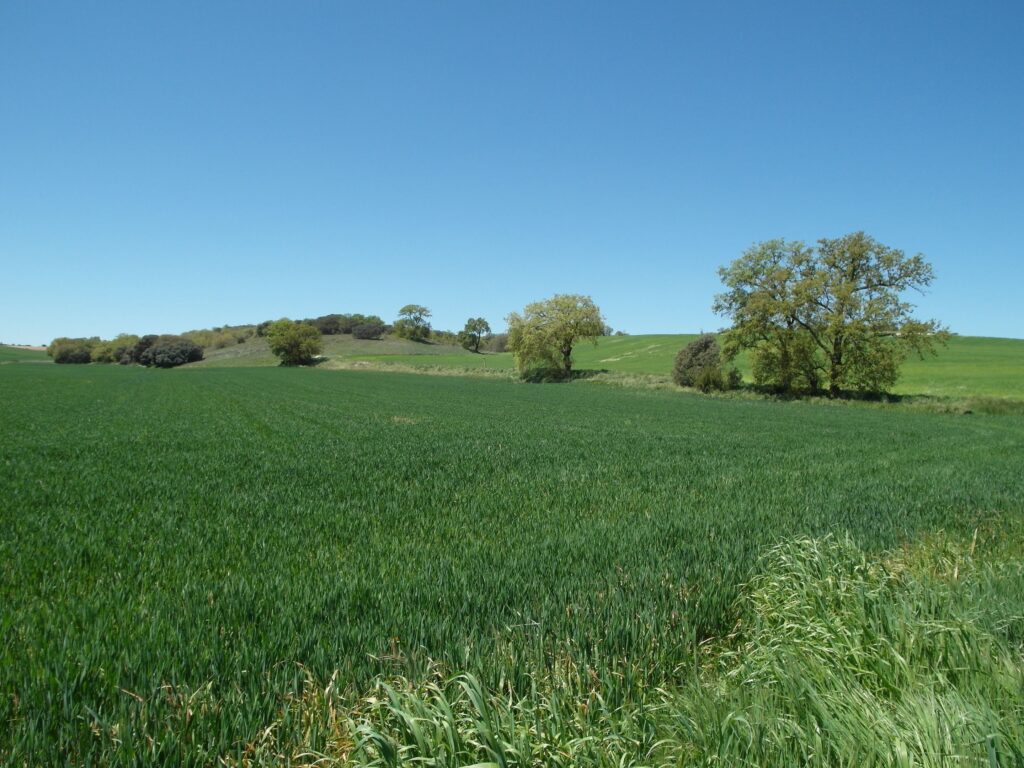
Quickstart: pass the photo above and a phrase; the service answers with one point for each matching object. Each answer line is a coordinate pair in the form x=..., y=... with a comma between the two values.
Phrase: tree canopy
x=473, y=334
x=413, y=323
x=834, y=313
x=295, y=343
x=546, y=332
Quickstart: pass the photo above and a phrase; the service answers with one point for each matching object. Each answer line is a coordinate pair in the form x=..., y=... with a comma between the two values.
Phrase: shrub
x=141, y=346
x=699, y=364
x=734, y=379
x=295, y=343
x=170, y=352
x=71, y=351
x=368, y=331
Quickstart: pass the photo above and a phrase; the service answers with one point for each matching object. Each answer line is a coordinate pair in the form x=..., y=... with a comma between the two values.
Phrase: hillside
x=969, y=366
x=10, y=354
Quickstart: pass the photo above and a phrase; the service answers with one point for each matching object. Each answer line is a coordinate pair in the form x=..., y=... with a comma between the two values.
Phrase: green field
x=18, y=355
x=969, y=366
x=215, y=564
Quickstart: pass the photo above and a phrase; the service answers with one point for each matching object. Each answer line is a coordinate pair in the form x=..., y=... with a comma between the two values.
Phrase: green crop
x=185, y=556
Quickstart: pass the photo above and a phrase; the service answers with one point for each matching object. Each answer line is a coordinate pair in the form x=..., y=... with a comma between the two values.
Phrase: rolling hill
x=968, y=366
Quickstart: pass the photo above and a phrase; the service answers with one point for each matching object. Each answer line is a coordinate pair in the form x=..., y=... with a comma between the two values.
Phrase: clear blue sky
x=167, y=166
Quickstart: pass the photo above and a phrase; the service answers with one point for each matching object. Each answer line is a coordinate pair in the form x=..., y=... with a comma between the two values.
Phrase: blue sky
x=167, y=166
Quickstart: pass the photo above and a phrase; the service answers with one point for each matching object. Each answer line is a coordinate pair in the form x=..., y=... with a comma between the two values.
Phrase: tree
x=546, y=332
x=412, y=323
x=295, y=343
x=117, y=350
x=170, y=352
x=369, y=330
x=831, y=313
x=699, y=364
x=71, y=351
x=474, y=333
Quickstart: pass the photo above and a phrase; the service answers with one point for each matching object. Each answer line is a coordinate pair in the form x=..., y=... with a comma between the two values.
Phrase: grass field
x=18, y=355
x=969, y=366
x=206, y=565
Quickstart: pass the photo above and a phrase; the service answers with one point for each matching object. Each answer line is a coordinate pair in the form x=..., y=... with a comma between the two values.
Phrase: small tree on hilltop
x=412, y=323
x=295, y=343
x=474, y=333
x=546, y=332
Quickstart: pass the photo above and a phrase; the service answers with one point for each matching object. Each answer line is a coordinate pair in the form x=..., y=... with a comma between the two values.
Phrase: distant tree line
x=164, y=351
x=830, y=318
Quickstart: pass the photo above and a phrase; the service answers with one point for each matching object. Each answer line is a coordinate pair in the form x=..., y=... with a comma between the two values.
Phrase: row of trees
x=151, y=350
x=828, y=318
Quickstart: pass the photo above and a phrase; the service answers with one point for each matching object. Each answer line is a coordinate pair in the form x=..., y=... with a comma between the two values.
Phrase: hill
x=969, y=366
x=10, y=354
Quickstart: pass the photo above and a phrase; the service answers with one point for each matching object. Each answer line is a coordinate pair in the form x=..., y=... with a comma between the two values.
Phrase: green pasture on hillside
x=18, y=355
x=182, y=552
x=967, y=367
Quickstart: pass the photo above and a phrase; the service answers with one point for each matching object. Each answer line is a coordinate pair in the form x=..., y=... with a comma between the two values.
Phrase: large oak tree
x=835, y=313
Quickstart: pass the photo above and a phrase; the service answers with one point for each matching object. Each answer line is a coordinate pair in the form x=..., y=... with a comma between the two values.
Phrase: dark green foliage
x=369, y=330
x=71, y=351
x=171, y=584
x=328, y=325
x=170, y=352
x=474, y=333
x=348, y=323
x=141, y=346
x=261, y=328
x=294, y=343
x=118, y=350
x=699, y=364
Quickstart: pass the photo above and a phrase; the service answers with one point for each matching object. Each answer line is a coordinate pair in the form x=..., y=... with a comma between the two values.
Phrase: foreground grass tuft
x=840, y=659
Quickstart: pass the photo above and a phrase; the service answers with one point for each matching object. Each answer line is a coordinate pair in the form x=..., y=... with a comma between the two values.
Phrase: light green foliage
x=294, y=343
x=413, y=323
x=228, y=578
x=833, y=313
x=72, y=351
x=545, y=333
x=116, y=350
x=475, y=331
x=221, y=337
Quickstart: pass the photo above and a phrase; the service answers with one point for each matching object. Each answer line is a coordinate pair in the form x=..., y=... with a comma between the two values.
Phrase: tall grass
x=185, y=556
x=839, y=659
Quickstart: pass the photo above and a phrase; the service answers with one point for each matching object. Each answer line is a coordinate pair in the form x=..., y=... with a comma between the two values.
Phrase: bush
x=170, y=352
x=141, y=346
x=295, y=343
x=71, y=351
x=699, y=364
x=368, y=331
x=734, y=379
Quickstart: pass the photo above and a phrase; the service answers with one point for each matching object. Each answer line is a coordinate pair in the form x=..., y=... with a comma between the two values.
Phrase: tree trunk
x=567, y=361
x=835, y=374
